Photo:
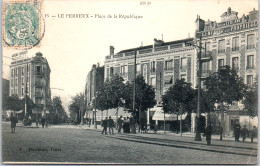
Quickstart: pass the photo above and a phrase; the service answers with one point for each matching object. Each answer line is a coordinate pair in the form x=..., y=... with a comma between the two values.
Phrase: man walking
x=244, y=133
x=111, y=124
x=13, y=120
x=253, y=134
x=208, y=133
x=104, y=124
x=120, y=124
x=237, y=131
x=43, y=121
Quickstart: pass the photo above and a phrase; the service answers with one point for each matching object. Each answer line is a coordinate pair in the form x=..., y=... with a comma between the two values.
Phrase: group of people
x=237, y=133
x=126, y=124
x=244, y=132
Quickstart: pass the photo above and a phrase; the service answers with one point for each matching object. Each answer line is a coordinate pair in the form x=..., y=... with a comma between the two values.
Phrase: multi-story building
x=233, y=41
x=94, y=82
x=161, y=64
x=31, y=76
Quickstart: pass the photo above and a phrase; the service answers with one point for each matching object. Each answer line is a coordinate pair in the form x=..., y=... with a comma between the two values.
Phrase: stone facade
x=35, y=73
x=158, y=63
x=233, y=42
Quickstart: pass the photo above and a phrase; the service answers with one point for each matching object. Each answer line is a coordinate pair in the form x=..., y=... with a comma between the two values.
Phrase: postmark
x=22, y=24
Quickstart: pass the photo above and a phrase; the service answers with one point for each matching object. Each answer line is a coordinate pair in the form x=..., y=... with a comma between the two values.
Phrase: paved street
x=77, y=144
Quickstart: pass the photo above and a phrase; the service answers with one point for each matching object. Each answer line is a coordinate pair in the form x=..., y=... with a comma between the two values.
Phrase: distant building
x=32, y=75
x=233, y=41
x=5, y=87
x=94, y=82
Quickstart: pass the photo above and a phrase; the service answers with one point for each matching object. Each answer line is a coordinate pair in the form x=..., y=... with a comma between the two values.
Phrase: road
x=76, y=145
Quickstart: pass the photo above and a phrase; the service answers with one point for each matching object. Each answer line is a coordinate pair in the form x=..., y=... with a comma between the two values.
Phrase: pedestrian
x=237, y=131
x=111, y=125
x=244, y=133
x=43, y=121
x=124, y=125
x=13, y=120
x=104, y=125
x=37, y=122
x=120, y=124
x=253, y=134
x=127, y=125
x=208, y=133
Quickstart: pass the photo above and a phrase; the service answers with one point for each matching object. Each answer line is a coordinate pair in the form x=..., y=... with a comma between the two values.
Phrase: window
x=183, y=77
x=22, y=92
x=38, y=101
x=153, y=82
x=235, y=63
x=12, y=92
x=250, y=41
x=168, y=80
x=123, y=70
x=12, y=73
x=12, y=82
x=250, y=62
x=221, y=46
x=205, y=66
x=15, y=82
x=22, y=70
x=183, y=63
x=111, y=71
x=38, y=69
x=169, y=65
x=22, y=81
x=208, y=48
x=152, y=67
x=249, y=80
x=145, y=73
x=138, y=68
x=235, y=44
x=220, y=63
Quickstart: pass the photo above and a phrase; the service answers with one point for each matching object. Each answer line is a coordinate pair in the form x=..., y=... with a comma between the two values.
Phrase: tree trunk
x=181, y=125
x=116, y=117
x=222, y=121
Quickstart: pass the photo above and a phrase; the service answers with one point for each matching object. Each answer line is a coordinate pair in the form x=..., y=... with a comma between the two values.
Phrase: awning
x=159, y=115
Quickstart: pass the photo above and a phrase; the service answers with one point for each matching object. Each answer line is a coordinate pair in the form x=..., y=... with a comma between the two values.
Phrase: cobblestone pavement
x=76, y=144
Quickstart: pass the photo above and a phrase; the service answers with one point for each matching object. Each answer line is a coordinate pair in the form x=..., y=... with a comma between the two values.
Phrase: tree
x=115, y=90
x=224, y=87
x=145, y=97
x=77, y=106
x=30, y=105
x=58, y=110
x=251, y=101
x=178, y=99
x=103, y=102
x=13, y=103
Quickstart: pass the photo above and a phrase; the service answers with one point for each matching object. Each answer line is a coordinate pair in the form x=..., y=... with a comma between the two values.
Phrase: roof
x=187, y=40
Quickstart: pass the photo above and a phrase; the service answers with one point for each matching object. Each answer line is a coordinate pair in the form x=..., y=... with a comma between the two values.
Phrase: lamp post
x=198, y=136
x=133, y=131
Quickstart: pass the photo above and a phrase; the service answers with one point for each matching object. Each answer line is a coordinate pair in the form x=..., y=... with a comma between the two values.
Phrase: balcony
x=250, y=46
x=222, y=51
x=145, y=51
x=39, y=73
x=235, y=49
x=118, y=55
x=161, y=48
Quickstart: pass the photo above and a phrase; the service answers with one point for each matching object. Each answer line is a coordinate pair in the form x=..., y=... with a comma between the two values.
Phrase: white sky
x=71, y=46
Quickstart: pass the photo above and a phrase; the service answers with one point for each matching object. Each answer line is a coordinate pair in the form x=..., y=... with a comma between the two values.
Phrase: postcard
x=129, y=82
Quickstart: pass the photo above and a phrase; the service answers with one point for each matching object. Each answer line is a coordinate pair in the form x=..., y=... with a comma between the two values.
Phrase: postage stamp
x=21, y=24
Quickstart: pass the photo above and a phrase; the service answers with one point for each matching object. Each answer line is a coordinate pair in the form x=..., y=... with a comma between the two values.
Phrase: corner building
x=32, y=75
x=233, y=41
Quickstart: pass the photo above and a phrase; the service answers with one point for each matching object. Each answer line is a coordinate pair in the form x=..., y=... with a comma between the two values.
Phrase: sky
x=73, y=45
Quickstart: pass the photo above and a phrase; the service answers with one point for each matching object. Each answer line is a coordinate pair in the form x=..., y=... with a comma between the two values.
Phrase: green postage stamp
x=21, y=23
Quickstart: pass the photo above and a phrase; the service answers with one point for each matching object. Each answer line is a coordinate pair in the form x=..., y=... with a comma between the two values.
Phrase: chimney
x=112, y=50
